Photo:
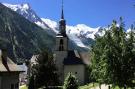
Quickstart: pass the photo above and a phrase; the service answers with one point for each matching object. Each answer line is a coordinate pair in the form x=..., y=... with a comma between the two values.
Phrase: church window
x=61, y=47
x=61, y=41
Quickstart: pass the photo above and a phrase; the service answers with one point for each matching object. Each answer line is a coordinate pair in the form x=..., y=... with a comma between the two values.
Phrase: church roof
x=73, y=58
x=7, y=65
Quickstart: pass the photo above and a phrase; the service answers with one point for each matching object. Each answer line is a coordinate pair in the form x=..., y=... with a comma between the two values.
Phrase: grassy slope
x=88, y=86
x=23, y=87
x=96, y=85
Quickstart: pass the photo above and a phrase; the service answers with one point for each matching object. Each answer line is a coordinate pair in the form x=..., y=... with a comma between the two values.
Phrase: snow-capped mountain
x=80, y=34
x=52, y=24
x=25, y=10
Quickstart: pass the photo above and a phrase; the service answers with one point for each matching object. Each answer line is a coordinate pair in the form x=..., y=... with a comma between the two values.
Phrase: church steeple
x=62, y=13
x=62, y=22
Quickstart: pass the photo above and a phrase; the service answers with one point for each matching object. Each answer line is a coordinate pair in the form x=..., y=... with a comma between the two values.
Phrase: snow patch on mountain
x=75, y=39
x=23, y=7
x=26, y=6
x=81, y=34
x=82, y=30
x=52, y=24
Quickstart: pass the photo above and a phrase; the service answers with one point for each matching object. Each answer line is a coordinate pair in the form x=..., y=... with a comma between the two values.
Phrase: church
x=67, y=60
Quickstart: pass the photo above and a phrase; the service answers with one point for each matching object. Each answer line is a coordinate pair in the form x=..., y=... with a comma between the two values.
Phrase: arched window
x=61, y=41
x=61, y=46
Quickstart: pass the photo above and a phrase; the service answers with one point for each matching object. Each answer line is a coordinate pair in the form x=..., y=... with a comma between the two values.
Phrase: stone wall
x=59, y=58
x=65, y=43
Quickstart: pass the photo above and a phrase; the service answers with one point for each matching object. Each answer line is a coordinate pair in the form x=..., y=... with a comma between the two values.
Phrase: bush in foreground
x=70, y=82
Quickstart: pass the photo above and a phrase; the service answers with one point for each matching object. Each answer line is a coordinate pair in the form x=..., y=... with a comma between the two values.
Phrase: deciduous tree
x=113, y=56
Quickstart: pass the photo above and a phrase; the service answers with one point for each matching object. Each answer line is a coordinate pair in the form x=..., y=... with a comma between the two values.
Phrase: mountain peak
x=15, y=7
x=25, y=10
x=25, y=5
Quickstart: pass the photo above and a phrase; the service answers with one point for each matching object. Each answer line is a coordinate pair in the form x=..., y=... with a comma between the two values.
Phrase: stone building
x=9, y=72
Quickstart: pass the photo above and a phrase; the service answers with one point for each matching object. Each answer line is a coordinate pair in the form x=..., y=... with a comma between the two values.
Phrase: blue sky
x=93, y=13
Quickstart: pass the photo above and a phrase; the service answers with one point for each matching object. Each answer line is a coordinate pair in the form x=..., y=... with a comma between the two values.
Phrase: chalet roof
x=7, y=65
x=73, y=58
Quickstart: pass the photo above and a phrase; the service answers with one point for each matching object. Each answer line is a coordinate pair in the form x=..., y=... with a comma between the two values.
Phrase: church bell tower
x=61, y=46
x=61, y=38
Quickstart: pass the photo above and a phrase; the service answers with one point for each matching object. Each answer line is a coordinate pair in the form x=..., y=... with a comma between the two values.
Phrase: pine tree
x=45, y=71
x=70, y=82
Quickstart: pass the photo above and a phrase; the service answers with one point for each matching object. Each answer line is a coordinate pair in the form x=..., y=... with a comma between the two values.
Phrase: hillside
x=21, y=37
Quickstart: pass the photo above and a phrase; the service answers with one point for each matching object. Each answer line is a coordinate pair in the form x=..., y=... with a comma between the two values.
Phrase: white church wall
x=77, y=70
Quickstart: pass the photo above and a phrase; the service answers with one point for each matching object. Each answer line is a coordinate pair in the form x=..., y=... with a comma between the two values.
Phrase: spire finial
x=62, y=14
